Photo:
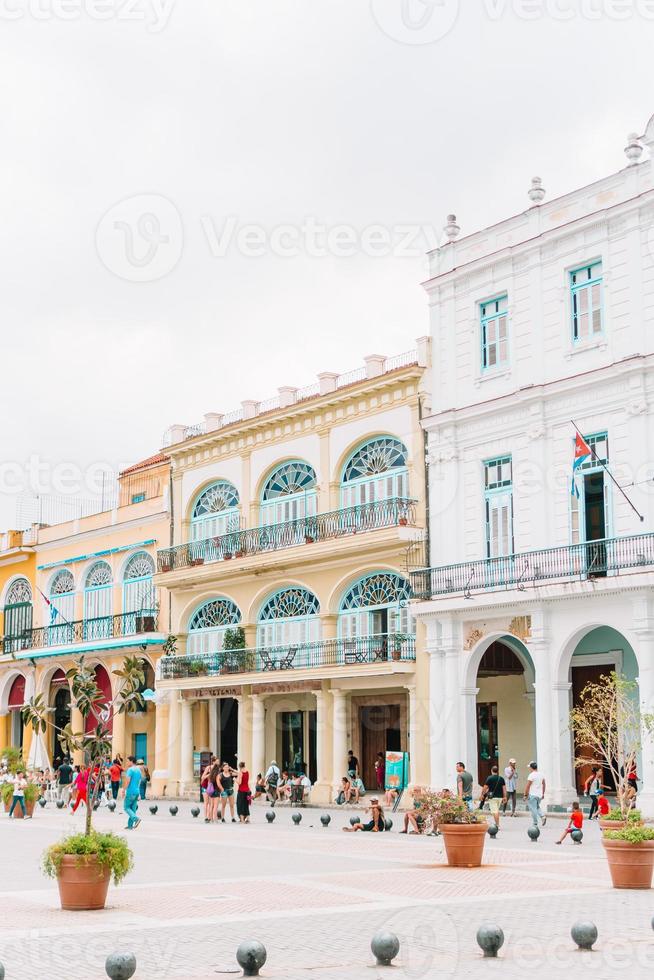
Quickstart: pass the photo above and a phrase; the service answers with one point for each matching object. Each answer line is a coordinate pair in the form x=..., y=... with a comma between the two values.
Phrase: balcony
x=394, y=512
x=84, y=633
x=378, y=649
x=588, y=560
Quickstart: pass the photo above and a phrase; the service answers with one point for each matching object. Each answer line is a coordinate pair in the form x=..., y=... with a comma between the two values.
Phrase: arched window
x=376, y=471
x=289, y=493
x=208, y=624
x=62, y=607
x=138, y=591
x=97, y=601
x=376, y=604
x=290, y=616
x=215, y=511
x=18, y=616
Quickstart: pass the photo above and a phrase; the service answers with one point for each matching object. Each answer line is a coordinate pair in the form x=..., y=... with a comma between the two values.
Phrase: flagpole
x=49, y=602
x=604, y=466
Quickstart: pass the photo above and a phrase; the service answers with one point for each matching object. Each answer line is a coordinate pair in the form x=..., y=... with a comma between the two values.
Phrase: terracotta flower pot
x=464, y=843
x=612, y=824
x=18, y=813
x=631, y=865
x=83, y=883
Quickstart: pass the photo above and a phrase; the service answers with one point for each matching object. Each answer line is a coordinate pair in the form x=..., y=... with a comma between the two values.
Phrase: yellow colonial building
x=289, y=599
x=84, y=586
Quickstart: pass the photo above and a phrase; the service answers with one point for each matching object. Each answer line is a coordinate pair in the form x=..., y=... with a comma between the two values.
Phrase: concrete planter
x=631, y=865
x=464, y=843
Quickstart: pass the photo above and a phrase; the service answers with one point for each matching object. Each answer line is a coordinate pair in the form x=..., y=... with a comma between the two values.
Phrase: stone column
x=161, y=746
x=339, y=737
x=242, y=741
x=258, y=734
x=174, y=722
x=412, y=709
x=322, y=789
x=563, y=790
x=470, y=752
x=118, y=735
x=186, y=745
x=539, y=648
x=213, y=725
x=438, y=775
x=77, y=725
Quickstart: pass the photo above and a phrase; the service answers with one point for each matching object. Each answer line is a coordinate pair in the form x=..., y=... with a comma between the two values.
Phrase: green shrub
x=111, y=851
x=636, y=834
x=634, y=816
x=14, y=759
x=32, y=792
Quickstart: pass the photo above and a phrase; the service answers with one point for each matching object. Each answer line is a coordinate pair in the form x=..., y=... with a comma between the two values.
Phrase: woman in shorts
x=226, y=785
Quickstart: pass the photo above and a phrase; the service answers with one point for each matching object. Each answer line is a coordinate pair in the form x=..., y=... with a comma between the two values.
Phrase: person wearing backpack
x=272, y=779
x=494, y=790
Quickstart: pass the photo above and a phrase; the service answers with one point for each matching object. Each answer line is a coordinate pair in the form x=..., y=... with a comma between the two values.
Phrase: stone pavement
x=315, y=897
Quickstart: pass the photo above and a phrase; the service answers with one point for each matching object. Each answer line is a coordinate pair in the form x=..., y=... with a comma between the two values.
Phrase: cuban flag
x=582, y=452
x=54, y=613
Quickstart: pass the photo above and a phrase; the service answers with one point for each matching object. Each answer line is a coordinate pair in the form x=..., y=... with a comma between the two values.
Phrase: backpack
x=273, y=778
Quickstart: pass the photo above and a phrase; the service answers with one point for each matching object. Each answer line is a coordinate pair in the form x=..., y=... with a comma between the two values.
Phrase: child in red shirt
x=602, y=805
x=575, y=822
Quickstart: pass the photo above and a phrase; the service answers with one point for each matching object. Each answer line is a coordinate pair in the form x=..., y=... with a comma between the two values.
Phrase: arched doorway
x=505, y=709
x=103, y=681
x=16, y=702
x=60, y=701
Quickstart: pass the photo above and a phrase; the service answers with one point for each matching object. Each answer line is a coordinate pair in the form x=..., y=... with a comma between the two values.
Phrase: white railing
x=302, y=394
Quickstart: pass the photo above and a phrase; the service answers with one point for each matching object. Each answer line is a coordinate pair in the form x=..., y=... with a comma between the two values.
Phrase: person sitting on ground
x=414, y=816
x=575, y=822
x=391, y=796
x=284, y=786
x=259, y=787
x=358, y=790
x=376, y=823
x=345, y=791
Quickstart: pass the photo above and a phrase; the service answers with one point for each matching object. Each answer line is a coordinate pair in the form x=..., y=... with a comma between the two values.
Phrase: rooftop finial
x=451, y=229
x=536, y=192
x=634, y=149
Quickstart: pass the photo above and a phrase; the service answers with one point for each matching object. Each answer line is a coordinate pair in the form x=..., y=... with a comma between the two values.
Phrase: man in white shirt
x=510, y=781
x=271, y=779
x=535, y=794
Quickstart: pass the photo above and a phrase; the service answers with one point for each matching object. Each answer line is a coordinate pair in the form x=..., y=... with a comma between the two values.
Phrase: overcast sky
x=170, y=170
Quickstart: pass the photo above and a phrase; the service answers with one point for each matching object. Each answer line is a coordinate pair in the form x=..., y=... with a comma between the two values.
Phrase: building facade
x=541, y=325
x=84, y=587
x=287, y=578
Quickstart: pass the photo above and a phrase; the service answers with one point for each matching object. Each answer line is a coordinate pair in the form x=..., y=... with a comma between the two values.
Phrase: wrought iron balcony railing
x=82, y=630
x=590, y=559
x=375, y=649
x=306, y=530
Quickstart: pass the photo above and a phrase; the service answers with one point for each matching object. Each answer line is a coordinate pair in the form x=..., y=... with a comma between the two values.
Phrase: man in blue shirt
x=133, y=777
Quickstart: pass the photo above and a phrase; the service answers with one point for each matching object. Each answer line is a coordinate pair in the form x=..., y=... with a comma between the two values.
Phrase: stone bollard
x=388, y=824
x=270, y=816
x=250, y=956
x=325, y=820
x=492, y=830
x=120, y=966
x=577, y=836
x=2, y=972
x=173, y=810
x=42, y=801
x=490, y=938
x=584, y=934
x=385, y=946
x=354, y=821
x=153, y=809
x=533, y=833
x=111, y=805
x=296, y=818
x=96, y=805
x=195, y=811
x=60, y=804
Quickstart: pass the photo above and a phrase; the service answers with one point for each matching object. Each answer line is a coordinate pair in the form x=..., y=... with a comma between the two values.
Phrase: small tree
x=608, y=727
x=96, y=743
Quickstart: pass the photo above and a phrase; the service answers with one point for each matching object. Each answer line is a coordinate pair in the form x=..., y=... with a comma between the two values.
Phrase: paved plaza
x=315, y=897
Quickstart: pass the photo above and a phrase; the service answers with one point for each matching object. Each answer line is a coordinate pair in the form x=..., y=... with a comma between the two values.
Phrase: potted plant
x=233, y=644
x=84, y=863
x=464, y=831
x=32, y=793
x=614, y=819
x=396, y=649
x=608, y=725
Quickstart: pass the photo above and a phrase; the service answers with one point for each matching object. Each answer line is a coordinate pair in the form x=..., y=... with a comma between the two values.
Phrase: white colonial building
x=541, y=322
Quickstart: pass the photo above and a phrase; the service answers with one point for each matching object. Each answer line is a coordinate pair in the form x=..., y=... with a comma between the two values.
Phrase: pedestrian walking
x=20, y=784
x=82, y=787
x=115, y=777
x=511, y=783
x=575, y=822
x=145, y=779
x=133, y=776
x=494, y=790
x=592, y=788
x=243, y=794
x=64, y=781
x=226, y=785
x=271, y=780
x=535, y=794
x=464, y=784
x=212, y=793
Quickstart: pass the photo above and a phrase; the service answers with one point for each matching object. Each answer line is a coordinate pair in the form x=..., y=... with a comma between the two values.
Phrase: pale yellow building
x=287, y=581
x=85, y=587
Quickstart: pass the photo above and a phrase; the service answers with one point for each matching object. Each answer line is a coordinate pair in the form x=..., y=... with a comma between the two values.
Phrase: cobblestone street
x=315, y=897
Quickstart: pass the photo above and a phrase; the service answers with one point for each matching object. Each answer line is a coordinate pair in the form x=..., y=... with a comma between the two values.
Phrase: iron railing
x=306, y=530
x=375, y=649
x=590, y=559
x=82, y=630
